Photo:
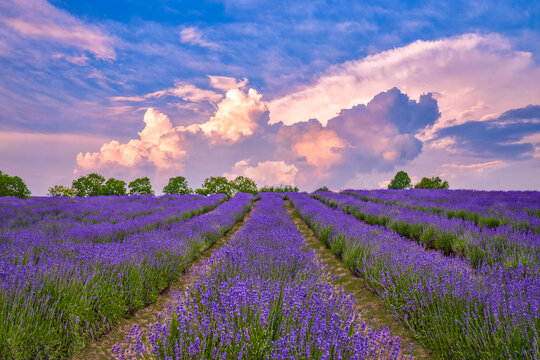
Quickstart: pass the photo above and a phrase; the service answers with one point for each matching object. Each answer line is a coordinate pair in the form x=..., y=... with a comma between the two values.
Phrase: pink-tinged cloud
x=470, y=75
x=238, y=115
x=318, y=146
x=39, y=19
x=226, y=83
x=193, y=36
x=77, y=60
x=376, y=136
x=265, y=173
x=159, y=144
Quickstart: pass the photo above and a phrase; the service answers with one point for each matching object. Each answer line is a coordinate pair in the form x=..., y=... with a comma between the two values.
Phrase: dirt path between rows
x=102, y=348
x=370, y=307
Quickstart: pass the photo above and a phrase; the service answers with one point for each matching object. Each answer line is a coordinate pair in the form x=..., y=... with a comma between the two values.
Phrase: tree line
x=95, y=184
x=402, y=181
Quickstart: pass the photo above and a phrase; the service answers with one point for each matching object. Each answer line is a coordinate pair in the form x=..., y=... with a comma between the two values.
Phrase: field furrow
x=459, y=313
x=263, y=295
x=102, y=348
x=370, y=306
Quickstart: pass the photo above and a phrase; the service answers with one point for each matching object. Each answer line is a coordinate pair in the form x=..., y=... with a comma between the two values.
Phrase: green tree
x=279, y=189
x=323, y=188
x=140, y=186
x=177, y=185
x=217, y=185
x=400, y=181
x=432, y=183
x=244, y=184
x=89, y=185
x=114, y=187
x=13, y=186
x=59, y=190
x=201, y=191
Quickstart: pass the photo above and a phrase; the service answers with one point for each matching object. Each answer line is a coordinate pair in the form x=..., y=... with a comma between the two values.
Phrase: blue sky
x=162, y=88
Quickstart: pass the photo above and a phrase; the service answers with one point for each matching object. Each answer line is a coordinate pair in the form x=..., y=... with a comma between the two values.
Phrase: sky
x=310, y=93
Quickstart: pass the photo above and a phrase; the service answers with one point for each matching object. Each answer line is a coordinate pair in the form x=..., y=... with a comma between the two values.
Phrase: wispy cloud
x=39, y=19
x=226, y=83
x=193, y=36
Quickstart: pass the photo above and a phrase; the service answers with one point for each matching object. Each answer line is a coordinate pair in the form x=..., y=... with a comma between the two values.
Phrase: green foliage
x=400, y=181
x=60, y=190
x=89, y=185
x=244, y=184
x=279, y=189
x=140, y=186
x=13, y=186
x=432, y=183
x=114, y=187
x=217, y=185
x=177, y=185
x=201, y=192
x=323, y=188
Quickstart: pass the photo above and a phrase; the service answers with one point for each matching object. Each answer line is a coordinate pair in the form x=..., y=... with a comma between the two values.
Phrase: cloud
x=312, y=144
x=181, y=90
x=193, y=36
x=265, y=173
x=499, y=138
x=377, y=136
x=39, y=19
x=226, y=83
x=164, y=146
x=238, y=115
x=469, y=76
x=159, y=144
x=77, y=60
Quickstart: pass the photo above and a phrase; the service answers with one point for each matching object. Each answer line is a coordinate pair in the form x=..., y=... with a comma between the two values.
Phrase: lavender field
x=459, y=269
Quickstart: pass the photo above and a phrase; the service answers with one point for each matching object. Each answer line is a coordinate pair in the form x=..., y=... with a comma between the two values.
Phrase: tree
x=89, y=185
x=323, y=188
x=217, y=185
x=140, y=186
x=13, y=186
x=114, y=187
x=59, y=190
x=279, y=189
x=400, y=181
x=244, y=184
x=177, y=185
x=432, y=183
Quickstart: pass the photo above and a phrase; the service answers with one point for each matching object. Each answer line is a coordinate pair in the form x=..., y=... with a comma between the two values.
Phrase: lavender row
x=489, y=209
x=177, y=210
x=483, y=246
x=61, y=212
x=262, y=296
x=55, y=297
x=458, y=312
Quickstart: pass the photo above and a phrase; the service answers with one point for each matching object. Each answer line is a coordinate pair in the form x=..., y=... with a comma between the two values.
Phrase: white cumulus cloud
x=265, y=173
x=239, y=115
